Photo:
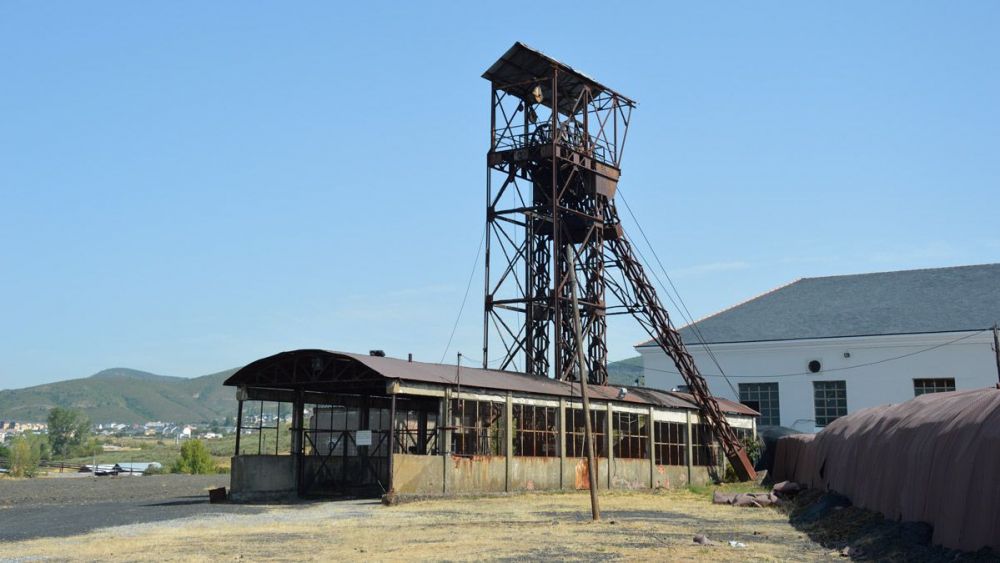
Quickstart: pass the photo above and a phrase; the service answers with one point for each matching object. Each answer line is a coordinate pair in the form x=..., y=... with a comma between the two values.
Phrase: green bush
x=195, y=459
x=90, y=448
x=155, y=470
x=25, y=454
x=753, y=446
x=68, y=430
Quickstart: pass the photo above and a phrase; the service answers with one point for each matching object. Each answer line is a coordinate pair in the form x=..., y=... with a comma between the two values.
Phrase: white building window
x=762, y=397
x=939, y=385
x=830, y=398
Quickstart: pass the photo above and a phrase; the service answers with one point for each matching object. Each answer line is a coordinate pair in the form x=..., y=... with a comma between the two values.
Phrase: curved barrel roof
x=325, y=370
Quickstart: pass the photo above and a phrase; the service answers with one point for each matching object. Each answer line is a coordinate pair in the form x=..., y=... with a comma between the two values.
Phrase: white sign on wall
x=363, y=438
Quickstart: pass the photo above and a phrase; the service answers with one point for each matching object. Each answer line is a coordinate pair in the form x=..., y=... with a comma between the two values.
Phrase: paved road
x=35, y=508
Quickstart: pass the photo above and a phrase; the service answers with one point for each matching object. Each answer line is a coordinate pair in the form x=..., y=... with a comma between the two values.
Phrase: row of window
x=478, y=430
x=829, y=398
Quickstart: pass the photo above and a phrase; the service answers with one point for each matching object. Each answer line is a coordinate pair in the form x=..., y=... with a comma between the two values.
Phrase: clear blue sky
x=188, y=187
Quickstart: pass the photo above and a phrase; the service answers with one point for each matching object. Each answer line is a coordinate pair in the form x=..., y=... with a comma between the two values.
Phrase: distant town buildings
x=18, y=427
x=151, y=429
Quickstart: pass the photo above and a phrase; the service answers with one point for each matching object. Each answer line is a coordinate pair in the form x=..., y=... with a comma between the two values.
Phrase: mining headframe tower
x=554, y=162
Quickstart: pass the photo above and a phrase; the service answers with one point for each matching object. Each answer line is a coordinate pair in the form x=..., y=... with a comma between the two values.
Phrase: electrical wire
x=468, y=286
x=682, y=309
x=845, y=368
x=478, y=363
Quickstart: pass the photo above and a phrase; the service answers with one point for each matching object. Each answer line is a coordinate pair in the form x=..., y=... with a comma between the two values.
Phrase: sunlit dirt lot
x=641, y=525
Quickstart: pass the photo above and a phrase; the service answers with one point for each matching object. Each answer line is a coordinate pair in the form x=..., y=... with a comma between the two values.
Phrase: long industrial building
x=365, y=425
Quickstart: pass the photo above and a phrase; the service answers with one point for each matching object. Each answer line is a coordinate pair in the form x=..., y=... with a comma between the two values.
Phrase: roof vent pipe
x=409, y=357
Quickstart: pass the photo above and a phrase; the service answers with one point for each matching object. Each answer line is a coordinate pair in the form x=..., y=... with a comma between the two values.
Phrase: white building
x=815, y=349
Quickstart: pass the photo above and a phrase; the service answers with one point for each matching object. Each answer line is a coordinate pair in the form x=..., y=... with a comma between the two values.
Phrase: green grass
x=708, y=490
x=166, y=451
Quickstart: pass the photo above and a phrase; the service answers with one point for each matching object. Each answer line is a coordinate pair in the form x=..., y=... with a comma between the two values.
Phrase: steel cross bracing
x=549, y=177
x=556, y=142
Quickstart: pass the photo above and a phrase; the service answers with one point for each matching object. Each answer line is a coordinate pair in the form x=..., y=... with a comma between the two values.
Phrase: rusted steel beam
x=654, y=318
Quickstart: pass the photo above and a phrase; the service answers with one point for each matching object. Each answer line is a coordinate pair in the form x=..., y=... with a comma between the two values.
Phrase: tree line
x=69, y=436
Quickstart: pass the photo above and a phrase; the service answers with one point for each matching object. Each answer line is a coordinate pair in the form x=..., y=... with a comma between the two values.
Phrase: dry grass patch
x=641, y=525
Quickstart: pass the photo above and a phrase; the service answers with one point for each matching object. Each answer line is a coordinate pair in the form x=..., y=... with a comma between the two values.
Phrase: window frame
x=927, y=385
x=670, y=443
x=536, y=430
x=828, y=391
x=485, y=434
x=575, y=432
x=410, y=439
x=630, y=434
x=704, y=446
x=770, y=414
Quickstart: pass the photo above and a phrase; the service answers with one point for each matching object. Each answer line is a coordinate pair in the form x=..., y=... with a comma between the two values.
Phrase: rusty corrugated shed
x=448, y=375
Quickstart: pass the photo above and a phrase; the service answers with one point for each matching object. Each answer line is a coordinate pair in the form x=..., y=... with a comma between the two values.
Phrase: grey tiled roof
x=904, y=302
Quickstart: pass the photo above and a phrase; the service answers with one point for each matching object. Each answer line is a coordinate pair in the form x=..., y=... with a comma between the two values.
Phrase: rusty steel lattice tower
x=556, y=140
x=556, y=143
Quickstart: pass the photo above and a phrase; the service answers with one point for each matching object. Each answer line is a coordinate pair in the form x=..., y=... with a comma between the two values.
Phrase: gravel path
x=36, y=508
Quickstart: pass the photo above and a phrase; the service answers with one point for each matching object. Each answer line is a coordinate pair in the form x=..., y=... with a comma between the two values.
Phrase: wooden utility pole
x=588, y=434
x=996, y=349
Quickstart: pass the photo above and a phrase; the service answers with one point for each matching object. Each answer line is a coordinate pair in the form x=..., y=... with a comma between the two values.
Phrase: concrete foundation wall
x=435, y=474
x=418, y=474
x=675, y=476
x=485, y=474
x=670, y=476
x=575, y=474
x=629, y=474
x=262, y=477
x=269, y=477
x=534, y=473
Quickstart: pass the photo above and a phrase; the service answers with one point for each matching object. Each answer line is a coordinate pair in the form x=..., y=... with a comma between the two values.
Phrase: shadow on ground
x=830, y=520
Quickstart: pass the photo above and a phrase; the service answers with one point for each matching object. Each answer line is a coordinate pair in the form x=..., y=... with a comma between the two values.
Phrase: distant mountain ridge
x=128, y=396
x=133, y=373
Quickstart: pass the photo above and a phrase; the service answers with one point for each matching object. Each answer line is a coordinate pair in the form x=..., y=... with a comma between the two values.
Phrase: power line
x=472, y=274
x=478, y=363
x=682, y=309
x=845, y=368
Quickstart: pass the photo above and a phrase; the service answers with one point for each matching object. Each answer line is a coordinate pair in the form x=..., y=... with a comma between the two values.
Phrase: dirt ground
x=87, y=489
x=641, y=525
x=37, y=508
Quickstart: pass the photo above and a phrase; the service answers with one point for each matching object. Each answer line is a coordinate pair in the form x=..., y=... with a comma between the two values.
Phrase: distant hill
x=129, y=395
x=626, y=372
x=126, y=395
